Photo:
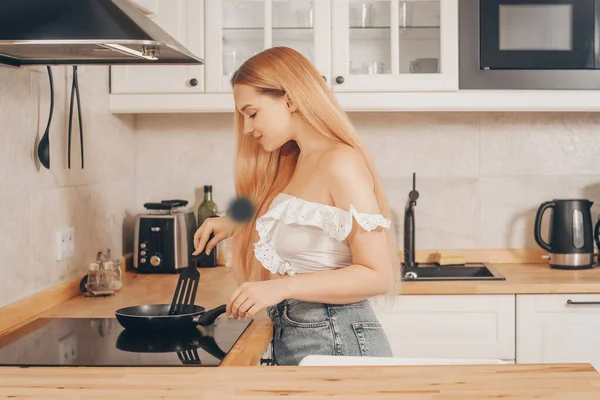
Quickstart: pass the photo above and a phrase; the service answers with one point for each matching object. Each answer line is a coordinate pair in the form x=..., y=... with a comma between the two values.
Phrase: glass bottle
x=208, y=208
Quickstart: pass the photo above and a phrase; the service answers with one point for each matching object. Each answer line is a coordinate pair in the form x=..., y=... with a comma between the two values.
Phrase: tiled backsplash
x=481, y=176
x=34, y=201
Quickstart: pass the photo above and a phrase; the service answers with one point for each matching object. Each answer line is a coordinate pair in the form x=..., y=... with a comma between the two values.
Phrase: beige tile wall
x=34, y=202
x=481, y=176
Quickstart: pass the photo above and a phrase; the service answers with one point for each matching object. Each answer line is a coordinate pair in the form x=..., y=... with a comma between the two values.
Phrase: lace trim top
x=298, y=236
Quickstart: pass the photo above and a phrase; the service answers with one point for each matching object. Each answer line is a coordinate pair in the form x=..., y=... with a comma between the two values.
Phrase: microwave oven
x=529, y=44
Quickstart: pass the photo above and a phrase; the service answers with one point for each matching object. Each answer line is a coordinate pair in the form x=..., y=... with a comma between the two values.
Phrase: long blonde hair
x=261, y=175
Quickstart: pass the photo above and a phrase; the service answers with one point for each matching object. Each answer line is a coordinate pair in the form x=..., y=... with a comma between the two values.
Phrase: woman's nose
x=248, y=127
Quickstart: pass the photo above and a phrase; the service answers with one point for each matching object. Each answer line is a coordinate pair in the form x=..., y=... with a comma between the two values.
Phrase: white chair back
x=314, y=360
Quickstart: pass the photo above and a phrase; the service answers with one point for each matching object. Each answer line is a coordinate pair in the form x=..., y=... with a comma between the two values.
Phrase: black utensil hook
x=75, y=90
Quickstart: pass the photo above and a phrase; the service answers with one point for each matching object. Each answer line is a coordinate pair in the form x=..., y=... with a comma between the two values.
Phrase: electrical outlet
x=67, y=348
x=65, y=243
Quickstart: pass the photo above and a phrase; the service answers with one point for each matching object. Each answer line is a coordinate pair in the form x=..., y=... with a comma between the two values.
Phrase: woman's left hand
x=251, y=297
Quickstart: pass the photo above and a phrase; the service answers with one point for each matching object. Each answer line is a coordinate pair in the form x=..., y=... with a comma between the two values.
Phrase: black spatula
x=185, y=292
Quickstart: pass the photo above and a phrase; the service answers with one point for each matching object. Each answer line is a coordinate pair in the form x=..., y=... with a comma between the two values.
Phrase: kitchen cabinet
x=394, y=46
x=450, y=326
x=360, y=48
x=180, y=19
x=241, y=29
x=554, y=328
x=383, y=45
x=376, y=55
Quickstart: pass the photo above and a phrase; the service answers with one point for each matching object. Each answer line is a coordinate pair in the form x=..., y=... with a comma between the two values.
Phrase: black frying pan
x=156, y=317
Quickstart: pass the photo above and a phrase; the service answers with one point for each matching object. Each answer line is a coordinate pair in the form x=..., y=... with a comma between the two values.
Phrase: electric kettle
x=571, y=243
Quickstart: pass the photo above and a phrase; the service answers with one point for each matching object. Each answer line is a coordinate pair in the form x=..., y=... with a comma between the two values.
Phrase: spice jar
x=104, y=275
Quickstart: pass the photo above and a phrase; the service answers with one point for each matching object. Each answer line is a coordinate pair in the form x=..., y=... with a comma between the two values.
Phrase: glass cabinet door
x=238, y=29
x=395, y=45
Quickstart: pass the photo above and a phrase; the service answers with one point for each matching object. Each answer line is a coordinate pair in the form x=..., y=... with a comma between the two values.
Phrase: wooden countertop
x=541, y=381
x=513, y=382
x=531, y=278
x=216, y=285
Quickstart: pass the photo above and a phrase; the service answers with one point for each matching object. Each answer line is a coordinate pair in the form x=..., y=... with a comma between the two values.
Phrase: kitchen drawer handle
x=580, y=303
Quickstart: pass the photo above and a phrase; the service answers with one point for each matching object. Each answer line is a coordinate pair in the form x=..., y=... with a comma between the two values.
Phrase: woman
x=320, y=243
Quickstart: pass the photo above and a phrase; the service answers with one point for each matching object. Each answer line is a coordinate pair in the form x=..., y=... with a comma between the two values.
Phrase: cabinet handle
x=194, y=82
x=324, y=78
x=339, y=79
x=579, y=303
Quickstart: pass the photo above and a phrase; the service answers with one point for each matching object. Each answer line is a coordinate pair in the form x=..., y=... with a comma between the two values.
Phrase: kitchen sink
x=436, y=272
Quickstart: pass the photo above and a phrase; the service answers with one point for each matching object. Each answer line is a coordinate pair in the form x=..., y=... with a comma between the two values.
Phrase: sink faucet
x=409, y=230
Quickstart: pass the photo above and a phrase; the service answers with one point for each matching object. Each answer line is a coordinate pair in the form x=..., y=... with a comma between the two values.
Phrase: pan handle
x=208, y=317
x=209, y=345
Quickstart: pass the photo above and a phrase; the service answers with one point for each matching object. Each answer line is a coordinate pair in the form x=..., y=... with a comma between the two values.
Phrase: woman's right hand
x=221, y=227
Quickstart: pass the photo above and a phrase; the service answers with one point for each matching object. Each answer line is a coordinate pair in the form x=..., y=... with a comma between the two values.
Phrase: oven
x=529, y=44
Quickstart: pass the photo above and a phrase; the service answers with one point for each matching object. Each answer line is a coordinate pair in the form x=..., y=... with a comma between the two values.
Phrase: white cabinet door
x=392, y=45
x=184, y=20
x=239, y=29
x=555, y=328
x=450, y=326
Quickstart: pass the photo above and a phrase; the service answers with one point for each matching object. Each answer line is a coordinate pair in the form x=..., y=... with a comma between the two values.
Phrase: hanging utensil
x=75, y=91
x=43, y=150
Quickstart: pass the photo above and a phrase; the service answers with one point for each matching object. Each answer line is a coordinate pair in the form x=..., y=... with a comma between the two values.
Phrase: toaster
x=164, y=237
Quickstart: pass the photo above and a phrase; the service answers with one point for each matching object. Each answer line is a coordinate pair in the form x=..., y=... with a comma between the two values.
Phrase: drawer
x=575, y=303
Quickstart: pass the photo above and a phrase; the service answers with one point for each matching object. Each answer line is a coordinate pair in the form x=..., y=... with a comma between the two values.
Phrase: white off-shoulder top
x=299, y=236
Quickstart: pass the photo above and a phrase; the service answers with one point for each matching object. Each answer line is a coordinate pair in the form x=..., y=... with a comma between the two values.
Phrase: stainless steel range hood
x=77, y=32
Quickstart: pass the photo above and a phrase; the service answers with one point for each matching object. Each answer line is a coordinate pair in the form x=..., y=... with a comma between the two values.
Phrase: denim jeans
x=301, y=329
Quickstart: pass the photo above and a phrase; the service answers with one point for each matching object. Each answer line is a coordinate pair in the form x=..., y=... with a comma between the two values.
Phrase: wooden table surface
x=463, y=382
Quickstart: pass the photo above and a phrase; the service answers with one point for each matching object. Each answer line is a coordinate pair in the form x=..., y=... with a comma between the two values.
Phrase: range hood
x=77, y=32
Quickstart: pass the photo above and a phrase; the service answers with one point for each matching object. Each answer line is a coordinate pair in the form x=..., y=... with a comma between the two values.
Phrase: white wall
x=34, y=201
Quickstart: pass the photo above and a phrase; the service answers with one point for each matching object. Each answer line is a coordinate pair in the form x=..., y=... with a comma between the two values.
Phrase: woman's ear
x=290, y=105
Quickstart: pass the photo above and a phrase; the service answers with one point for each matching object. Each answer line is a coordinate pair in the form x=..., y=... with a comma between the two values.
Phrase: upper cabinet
x=181, y=19
x=390, y=45
x=239, y=29
x=359, y=47
x=376, y=55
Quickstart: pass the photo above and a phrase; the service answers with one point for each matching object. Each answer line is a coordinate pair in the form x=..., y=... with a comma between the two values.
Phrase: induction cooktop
x=103, y=342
